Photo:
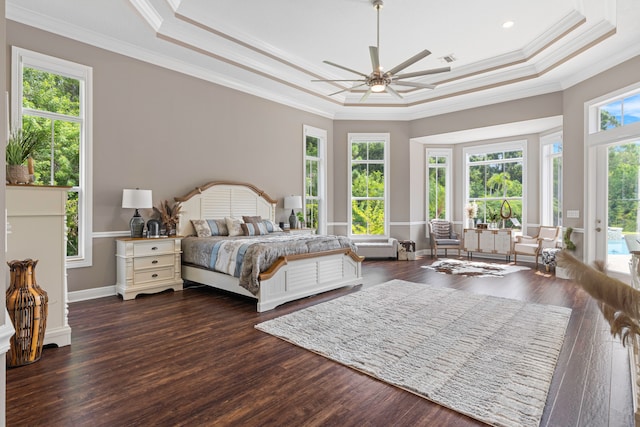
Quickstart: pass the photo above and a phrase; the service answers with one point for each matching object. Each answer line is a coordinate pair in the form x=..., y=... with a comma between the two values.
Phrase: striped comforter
x=247, y=257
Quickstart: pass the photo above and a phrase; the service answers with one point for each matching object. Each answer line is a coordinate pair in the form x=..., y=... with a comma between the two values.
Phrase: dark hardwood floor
x=194, y=358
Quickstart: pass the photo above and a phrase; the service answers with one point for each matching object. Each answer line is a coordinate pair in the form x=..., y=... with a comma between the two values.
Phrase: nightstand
x=147, y=266
x=301, y=231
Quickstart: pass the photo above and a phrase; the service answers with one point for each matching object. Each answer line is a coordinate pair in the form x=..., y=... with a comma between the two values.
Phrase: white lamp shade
x=293, y=202
x=136, y=199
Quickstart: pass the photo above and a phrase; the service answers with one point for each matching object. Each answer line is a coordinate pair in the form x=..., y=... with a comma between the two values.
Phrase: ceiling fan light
x=378, y=87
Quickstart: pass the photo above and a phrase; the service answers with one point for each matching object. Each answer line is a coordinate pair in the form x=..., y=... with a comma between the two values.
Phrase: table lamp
x=136, y=199
x=293, y=202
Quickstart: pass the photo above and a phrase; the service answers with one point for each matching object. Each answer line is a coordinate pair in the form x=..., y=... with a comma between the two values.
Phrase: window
x=551, y=179
x=368, y=181
x=438, y=183
x=315, y=149
x=495, y=174
x=53, y=98
x=619, y=112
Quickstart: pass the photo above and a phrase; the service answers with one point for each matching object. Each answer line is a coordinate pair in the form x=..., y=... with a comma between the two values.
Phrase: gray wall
x=158, y=129
x=168, y=132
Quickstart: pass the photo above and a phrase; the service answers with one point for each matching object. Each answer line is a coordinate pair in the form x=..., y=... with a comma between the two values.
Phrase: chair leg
x=536, y=261
x=515, y=258
x=445, y=253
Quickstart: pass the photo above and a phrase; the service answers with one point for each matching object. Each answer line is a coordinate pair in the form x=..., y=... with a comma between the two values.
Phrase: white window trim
x=83, y=73
x=546, y=176
x=368, y=137
x=448, y=154
x=502, y=146
x=321, y=135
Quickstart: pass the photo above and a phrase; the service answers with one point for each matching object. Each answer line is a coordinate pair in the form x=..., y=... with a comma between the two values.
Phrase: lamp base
x=136, y=225
x=293, y=220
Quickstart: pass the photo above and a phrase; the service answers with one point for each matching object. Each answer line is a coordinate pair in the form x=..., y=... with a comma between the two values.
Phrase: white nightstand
x=148, y=265
x=301, y=231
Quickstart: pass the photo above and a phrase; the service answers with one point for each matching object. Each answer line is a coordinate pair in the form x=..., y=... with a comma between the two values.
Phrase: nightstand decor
x=293, y=202
x=136, y=199
x=27, y=304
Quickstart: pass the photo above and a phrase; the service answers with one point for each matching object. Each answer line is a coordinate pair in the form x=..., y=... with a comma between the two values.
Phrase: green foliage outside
x=623, y=186
x=367, y=188
x=57, y=162
x=437, y=187
x=312, y=178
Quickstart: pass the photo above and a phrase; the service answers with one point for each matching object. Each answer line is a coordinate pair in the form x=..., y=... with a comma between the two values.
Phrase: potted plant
x=20, y=147
x=493, y=216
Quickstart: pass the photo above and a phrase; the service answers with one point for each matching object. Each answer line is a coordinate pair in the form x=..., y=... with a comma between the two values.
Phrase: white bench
x=387, y=248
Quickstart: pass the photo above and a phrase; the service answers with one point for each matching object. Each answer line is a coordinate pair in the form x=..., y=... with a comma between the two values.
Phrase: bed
x=289, y=277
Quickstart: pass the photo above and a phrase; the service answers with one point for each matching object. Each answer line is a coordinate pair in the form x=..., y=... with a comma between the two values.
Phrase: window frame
x=546, y=177
x=21, y=57
x=384, y=138
x=515, y=145
x=321, y=135
x=448, y=154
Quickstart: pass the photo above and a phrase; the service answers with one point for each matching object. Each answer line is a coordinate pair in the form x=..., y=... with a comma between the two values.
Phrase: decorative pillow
x=441, y=229
x=254, y=228
x=252, y=218
x=218, y=227
x=234, y=225
x=202, y=227
x=271, y=226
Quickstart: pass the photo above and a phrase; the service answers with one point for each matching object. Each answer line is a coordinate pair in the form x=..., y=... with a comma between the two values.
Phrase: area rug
x=487, y=357
x=473, y=268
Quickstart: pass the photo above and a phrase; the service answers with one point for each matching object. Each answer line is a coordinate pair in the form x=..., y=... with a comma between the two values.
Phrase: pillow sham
x=218, y=227
x=271, y=226
x=257, y=218
x=201, y=227
x=234, y=225
x=254, y=229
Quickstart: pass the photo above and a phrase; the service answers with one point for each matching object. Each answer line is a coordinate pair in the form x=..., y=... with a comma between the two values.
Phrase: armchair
x=547, y=237
x=442, y=235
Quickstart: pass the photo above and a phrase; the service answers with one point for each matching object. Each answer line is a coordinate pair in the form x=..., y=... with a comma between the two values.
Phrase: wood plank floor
x=194, y=358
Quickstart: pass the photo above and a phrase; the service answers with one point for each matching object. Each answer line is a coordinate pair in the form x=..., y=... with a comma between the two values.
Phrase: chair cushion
x=547, y=233
x=441, y=229
x=523, y=248
x=447, y=242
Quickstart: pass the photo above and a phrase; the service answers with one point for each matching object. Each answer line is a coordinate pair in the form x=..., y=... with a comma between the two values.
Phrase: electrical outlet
x=573, y=213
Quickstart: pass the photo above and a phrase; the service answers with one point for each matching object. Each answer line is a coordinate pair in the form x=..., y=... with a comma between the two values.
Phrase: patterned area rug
x=473, y=268
x=487, y=357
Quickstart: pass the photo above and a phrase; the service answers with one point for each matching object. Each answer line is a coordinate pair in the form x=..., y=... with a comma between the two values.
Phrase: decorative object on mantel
x=27, y=304
x=168, y=214
x=505, y=212
x=20, y=147
x=136, y=199
x=293, y=202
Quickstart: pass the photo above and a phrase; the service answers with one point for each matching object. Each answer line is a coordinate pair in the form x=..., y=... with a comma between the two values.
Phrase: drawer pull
x=155, y=261
x=154, y=275
x=155, y=248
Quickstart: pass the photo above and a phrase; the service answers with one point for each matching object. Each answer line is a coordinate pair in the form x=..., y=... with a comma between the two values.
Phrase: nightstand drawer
x=151, y=248
x=153, y=261
x=146, y=276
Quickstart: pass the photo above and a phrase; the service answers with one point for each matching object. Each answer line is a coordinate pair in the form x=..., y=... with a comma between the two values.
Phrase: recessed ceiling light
x=508, y=24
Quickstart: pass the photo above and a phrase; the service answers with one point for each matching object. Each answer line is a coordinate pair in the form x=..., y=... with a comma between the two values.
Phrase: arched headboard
x=219, y=199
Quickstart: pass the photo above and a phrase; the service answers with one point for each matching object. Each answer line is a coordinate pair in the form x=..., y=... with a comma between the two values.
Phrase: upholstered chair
x=443, y=236
x=548, y=237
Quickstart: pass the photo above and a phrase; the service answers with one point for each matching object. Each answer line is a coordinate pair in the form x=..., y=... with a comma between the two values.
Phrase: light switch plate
x=573, y=213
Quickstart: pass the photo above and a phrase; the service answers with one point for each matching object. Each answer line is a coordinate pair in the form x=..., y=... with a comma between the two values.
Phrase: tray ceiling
x=274, y=49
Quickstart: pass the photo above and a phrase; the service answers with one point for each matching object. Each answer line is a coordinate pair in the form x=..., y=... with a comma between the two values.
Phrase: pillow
x=234, y=225
x=218, y=227
x=202, y=227
x=252, y=218
x=271, y=226
x=254, y=228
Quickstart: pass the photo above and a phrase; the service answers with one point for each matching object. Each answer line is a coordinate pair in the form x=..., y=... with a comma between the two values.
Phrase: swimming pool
x=617, y=247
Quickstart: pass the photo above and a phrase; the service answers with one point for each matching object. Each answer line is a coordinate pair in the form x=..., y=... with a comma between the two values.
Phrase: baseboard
x=87, y=294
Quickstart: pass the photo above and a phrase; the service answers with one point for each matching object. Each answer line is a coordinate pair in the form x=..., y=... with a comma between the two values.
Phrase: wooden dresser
x=148, y=265
x=36, y=228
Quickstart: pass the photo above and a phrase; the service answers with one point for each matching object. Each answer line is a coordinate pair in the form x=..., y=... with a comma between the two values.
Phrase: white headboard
x=219, y=199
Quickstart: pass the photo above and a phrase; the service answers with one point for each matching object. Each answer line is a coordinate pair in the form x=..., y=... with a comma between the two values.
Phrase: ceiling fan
x=379, y=81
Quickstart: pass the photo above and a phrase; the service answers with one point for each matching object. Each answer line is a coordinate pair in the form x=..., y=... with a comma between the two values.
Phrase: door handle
x=598, y=229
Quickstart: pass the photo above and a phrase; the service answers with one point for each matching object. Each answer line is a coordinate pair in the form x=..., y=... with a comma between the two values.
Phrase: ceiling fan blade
x=393, y=92
x=375, y=58
x=348, y=80
x=349, y=89
x=415, y=84
x=415, y=58
x=365, y=96
x=422, y=73
x=345, y=68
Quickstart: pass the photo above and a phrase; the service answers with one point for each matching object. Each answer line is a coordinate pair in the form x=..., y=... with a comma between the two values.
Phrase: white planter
x=562, y=273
